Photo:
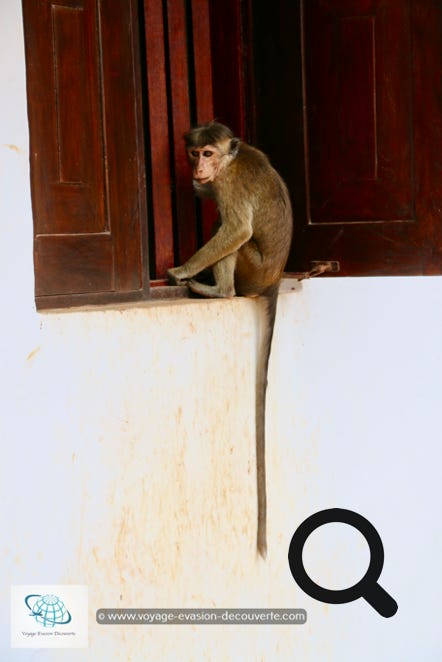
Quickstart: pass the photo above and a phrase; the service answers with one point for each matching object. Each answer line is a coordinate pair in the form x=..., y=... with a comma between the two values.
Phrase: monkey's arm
x=234, y=231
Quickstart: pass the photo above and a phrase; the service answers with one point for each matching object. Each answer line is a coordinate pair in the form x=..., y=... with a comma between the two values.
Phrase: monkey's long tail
x=270, y=300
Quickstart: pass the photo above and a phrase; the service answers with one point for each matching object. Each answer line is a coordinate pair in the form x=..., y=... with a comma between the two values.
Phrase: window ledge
x=165, y=295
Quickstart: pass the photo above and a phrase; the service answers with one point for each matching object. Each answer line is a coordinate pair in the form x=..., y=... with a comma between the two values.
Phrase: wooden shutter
x=86, y=150
x=179, y=92
x=349, y=106
x=195, y=72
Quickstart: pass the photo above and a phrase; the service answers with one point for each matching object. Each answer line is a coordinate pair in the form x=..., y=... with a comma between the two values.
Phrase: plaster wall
x=128, y=450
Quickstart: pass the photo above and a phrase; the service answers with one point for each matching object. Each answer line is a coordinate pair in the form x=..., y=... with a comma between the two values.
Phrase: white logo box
x=49, y=616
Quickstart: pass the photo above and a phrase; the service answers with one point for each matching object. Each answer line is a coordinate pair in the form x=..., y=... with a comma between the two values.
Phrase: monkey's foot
x=209, y=291
x=174, y=277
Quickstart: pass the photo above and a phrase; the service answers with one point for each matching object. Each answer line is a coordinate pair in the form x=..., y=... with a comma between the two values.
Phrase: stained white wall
x=128, y=450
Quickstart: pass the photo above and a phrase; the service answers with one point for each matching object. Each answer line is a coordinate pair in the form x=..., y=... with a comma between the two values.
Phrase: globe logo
x=48, y=610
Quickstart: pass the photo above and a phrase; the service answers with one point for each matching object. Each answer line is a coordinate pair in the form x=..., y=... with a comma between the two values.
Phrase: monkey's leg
x=224, y=274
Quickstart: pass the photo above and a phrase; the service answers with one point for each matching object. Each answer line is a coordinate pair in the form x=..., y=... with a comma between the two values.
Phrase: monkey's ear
x=234, y=146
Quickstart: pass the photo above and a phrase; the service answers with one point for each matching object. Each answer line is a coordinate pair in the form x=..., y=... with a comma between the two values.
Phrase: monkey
x=247, y=252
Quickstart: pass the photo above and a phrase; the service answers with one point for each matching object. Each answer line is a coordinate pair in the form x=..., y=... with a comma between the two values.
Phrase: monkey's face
x=206, y=162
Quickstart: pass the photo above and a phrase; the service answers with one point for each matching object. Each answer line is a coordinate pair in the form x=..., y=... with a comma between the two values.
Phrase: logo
x=48, y=610
x=49, y=616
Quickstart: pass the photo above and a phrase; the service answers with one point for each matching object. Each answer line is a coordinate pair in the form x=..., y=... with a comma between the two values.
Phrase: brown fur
x=247, y=253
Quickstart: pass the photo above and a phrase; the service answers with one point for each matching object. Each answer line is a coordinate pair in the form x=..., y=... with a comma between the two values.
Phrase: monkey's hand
x=177, y=276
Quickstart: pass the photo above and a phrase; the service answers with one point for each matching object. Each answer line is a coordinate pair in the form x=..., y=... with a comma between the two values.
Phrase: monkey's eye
x=194, y=154
x=208, y=153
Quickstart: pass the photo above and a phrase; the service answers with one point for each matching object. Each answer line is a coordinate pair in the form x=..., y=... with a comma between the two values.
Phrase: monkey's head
x=210, y=148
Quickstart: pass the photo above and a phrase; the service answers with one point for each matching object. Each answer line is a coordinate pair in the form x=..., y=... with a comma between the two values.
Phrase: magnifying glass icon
x=367, y=587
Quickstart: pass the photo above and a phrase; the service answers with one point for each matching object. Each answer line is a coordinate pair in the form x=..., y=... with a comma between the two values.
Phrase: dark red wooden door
x=359, y=107
x=87, y=176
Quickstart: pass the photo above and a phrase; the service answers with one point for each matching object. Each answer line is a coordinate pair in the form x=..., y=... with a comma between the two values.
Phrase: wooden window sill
x=162, y=295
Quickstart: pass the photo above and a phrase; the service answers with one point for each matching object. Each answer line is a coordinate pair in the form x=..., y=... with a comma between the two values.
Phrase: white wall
x=128, y=451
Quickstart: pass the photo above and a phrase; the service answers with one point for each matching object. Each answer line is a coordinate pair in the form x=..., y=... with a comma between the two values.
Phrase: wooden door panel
x=387, y=218
x=86, y=149
x=348, y=97
x=87, y=264
x=69, y=178
x=179, y=90
x=358, y=81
